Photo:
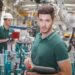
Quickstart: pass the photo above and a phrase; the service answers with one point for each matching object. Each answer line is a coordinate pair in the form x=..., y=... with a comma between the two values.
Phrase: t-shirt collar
x=43, y=37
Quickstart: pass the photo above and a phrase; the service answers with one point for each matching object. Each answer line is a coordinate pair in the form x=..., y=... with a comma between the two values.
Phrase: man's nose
x=43, y=23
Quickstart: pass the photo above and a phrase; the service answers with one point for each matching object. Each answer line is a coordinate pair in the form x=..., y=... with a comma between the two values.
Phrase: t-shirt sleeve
x=0, y=32
x=61, y=52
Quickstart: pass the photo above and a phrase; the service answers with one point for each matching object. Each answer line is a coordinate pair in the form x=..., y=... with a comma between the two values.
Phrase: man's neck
x=44, y=35
x=6, y=27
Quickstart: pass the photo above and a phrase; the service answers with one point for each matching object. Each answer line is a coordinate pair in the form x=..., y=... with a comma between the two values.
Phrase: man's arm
x=3, y=40
x=65, y=67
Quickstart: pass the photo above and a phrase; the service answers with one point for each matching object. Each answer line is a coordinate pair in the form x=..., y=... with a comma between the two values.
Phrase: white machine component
x=66, y=17
x=1, y=59
x=69, y=20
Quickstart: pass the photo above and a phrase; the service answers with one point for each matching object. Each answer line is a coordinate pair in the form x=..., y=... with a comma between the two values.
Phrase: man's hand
x=6, y=39
x=31, y=73
x=28, y=63
x=3, y=40
x=35, y=73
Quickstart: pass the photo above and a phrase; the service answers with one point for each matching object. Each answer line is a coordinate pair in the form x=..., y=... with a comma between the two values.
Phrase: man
x=48, y=49
x=5, y=31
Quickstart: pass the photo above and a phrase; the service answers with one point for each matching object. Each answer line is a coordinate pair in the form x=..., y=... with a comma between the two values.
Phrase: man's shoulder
x=54, y=39
x=1, y=28
x=54, y=36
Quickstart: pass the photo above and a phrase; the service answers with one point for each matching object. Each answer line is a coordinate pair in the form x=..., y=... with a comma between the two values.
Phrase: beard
x=45, y=30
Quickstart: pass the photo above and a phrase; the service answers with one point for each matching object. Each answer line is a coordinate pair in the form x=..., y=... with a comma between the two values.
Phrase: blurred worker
x=5, y=31
x=48, y=48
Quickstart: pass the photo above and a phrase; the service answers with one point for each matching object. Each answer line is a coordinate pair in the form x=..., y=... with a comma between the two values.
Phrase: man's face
x=45, y=23
x=8, y=22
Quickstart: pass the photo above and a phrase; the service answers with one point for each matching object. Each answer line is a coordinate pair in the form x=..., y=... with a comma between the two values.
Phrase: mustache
x=42, y=27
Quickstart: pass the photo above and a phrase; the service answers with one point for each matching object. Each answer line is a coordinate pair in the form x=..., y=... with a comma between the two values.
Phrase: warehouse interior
x=25, y=25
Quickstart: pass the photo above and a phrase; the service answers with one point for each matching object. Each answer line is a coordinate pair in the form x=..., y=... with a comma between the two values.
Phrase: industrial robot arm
x=65, y=17
x=68, y=19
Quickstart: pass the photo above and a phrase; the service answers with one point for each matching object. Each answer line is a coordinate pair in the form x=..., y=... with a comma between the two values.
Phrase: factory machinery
x=12, y=61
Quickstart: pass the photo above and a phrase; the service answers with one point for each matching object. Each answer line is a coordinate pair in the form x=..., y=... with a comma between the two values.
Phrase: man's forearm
x=52, y=74
x=3, y=40
x=60, y=73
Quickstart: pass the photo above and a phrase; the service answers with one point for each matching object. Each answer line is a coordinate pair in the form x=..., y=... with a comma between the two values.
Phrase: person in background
x=48, y=49
x=5, y=31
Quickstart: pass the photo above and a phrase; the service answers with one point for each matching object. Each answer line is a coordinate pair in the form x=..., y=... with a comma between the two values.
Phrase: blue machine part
x=0, y=70
x=18, y=72
x=7, y=63
x=20, y=27
x=20, y=46
x=22, y=51
x=73, y=68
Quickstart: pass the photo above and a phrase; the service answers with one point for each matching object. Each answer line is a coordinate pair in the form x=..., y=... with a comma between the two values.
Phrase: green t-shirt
x=47, y=52
x=3, y=35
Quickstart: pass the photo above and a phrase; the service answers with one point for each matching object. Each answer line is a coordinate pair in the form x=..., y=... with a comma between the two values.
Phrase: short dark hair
x=46, y=9
x=5, y=19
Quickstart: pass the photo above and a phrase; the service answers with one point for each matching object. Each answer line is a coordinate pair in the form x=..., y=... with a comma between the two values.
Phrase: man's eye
x=40, y=19
x=48, y=20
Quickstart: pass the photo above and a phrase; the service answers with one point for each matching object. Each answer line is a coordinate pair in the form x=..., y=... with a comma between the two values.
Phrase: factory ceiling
x=30, y=5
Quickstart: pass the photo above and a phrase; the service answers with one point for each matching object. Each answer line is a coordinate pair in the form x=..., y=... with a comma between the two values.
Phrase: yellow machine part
x=68, y=35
